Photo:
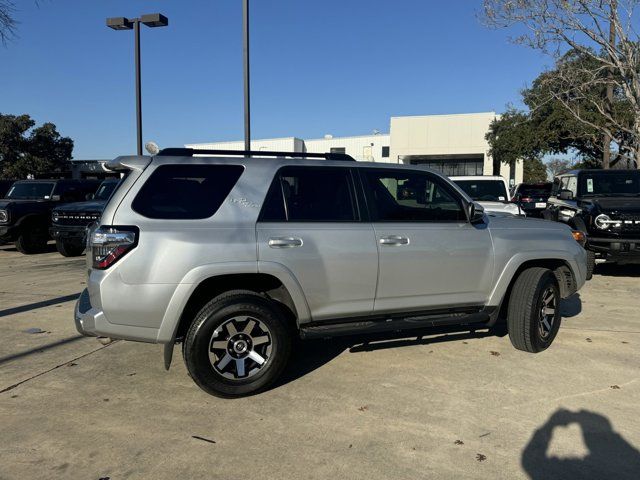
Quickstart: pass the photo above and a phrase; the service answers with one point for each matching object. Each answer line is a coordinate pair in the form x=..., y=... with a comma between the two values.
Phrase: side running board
x=376, y=325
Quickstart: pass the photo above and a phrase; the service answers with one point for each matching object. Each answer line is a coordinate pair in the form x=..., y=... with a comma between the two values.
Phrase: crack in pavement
x=11, y=387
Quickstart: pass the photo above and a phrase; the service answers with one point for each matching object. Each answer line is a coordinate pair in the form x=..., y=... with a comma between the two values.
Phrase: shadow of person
x=610, y=455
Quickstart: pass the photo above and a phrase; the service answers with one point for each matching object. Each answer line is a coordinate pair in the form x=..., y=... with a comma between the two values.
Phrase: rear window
x=484, y=190
x=534, y=190
x=186, y=191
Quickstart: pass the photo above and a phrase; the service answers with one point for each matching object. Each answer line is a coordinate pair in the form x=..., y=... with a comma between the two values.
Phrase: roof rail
x=190, y=152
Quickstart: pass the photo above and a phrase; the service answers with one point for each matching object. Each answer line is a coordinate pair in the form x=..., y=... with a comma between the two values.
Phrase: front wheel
x=237, y=345
x=68, y=248
x=533, y=317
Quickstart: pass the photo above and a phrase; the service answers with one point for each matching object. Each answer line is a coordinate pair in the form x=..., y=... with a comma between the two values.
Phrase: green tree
x=534, y=171
x=25, y=150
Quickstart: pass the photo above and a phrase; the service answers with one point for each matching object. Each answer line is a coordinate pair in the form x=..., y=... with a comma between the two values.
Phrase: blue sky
x=334, y=66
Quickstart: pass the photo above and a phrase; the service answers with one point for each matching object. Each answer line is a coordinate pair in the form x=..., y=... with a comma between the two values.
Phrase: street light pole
x=245, y=54
x=136, y=30
x=122, y=23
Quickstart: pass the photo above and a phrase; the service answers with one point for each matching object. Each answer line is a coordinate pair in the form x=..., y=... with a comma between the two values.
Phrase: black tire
x=591, y=264
x=32, y=239
x=527, y=329
x=215, y=319
x=69, y=248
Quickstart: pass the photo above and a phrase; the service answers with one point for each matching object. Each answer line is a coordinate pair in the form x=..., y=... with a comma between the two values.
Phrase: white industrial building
x=452, y=144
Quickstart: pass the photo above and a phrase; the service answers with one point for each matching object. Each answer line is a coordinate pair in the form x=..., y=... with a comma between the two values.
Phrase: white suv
x=490, y=191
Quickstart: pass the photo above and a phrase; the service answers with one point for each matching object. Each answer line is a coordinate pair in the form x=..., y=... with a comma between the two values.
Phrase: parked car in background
x=605, y=205
x=25, y=212
x=5, y=185
x=532, y=197
x=489, y=191
x=69, y=222
x=235, y=254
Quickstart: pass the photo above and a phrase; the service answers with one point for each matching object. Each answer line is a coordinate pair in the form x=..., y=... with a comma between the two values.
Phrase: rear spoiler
x=129, y=162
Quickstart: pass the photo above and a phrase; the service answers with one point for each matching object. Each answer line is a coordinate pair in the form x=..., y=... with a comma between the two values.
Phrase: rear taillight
x=108, y=244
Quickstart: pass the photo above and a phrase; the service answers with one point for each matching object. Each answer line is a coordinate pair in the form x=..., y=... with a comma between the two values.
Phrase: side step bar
x=336, y=329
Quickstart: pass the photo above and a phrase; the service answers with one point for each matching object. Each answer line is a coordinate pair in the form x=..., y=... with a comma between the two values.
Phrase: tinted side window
x=405, y=196
x=310, y=194
x=186, y=191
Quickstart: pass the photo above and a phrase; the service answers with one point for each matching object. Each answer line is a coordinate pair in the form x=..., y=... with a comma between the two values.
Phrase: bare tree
x=7, y=20
x=558, y=165
x=587, y=27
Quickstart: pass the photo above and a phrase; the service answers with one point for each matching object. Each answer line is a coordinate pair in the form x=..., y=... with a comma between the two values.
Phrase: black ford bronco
x=69, y=222
x=605, y=205
x=25, y=212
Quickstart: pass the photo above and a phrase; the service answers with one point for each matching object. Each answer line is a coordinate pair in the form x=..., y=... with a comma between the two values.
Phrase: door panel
x=442, y=265
x=336, y=264
x=429, y=255
x=310, y=223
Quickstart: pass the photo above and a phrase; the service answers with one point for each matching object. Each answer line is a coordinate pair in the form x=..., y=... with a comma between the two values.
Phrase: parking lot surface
x=444, y=405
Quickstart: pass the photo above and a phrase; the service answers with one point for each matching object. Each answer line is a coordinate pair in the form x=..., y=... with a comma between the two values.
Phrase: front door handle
x=285, y=242
x=394, y=240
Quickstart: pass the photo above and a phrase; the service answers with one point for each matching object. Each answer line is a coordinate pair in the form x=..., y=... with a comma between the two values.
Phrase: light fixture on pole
x=152, y=20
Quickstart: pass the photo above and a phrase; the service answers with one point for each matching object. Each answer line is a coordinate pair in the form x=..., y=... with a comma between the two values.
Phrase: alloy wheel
x=240, y=347
x=547, y=312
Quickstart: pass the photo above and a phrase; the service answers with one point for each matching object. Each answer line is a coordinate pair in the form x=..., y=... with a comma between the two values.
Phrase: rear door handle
x=394, y=240
x=285, y=242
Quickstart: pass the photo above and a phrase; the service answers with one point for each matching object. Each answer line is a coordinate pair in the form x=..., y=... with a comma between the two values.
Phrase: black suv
x=69, y=222
x=532, y=197
x=25, y=212
x=605, y=204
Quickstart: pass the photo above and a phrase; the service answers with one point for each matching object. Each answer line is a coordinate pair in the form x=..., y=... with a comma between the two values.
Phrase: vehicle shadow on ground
x=571, y=306
x=610, y=455
x=8, y=247
x=309, y=355
x=615, y=270
x=34, y=306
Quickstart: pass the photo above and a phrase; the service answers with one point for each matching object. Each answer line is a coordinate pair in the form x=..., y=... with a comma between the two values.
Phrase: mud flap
x=168, y=354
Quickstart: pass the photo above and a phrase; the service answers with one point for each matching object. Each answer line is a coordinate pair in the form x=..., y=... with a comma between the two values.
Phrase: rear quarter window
x=186, y=192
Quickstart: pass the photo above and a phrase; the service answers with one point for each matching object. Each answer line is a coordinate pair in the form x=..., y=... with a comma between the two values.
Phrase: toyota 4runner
x=233, y=254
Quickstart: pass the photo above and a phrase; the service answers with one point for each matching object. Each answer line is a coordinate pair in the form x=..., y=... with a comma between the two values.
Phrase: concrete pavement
x=447, y=405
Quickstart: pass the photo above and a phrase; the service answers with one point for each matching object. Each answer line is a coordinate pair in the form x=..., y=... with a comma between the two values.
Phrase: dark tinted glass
x=484, y=190
x=337, y=150
x=310, y=194
x=105, y=190
x=402, y=196
x=30, y=190
x=186, y=191
x=385, y=152
x=535, y=190
x=624, y=182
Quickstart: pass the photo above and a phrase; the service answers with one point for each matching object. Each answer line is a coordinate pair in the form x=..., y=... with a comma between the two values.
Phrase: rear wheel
x=237, y=345
x=69, y=248
x=32, y=239
x=533, y=317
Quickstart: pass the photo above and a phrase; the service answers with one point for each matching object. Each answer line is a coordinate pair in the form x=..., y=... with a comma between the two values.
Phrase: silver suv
x=234, y=254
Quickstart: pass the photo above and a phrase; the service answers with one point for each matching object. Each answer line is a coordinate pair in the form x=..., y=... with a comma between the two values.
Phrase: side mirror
x=475, y=212
x=565, y=195
x=55, y=198
x=89, y=196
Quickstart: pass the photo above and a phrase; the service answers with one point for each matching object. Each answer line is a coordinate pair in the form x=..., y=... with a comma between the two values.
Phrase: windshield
x=30, y=190
x=105, y=190
x=610, y=184
x=484, y=190
x=535, y=190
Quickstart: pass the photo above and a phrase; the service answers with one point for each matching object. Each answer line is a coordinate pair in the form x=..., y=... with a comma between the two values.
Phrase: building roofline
x=445, y=115
x=350, y=136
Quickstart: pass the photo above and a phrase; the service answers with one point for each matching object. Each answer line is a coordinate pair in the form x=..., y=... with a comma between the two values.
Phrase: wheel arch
x=561, y=268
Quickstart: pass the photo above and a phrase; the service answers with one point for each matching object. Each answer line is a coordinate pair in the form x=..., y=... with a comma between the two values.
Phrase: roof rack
x=190, y=152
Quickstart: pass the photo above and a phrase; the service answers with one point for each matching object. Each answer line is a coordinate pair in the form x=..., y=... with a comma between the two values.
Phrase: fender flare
x=512, y=266
x=184, y=290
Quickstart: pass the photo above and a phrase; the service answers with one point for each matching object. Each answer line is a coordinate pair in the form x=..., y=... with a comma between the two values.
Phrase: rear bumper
x=91, y=322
